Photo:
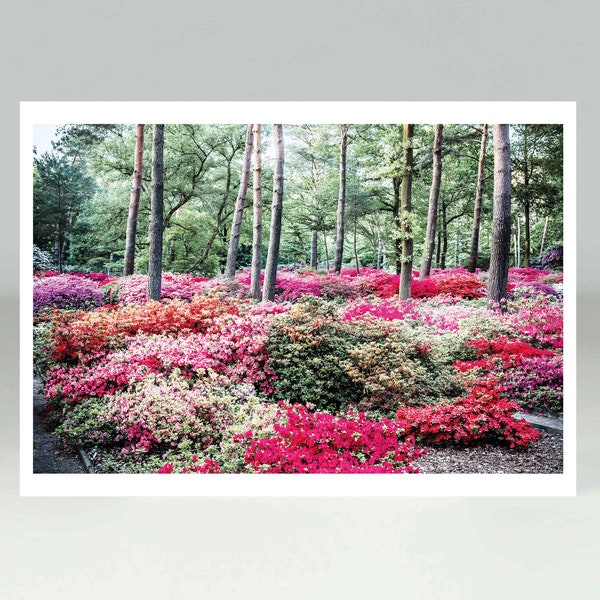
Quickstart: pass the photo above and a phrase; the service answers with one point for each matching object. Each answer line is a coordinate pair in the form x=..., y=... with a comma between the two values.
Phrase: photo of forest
x=299, y=298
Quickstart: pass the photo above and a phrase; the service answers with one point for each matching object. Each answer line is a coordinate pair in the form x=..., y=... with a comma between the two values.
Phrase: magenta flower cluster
x=65, y=292
x=323, y=443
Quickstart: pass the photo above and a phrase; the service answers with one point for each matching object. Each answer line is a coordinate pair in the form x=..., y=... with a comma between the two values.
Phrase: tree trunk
x=58, y=248
x=444, y=250
x=236, y=226
x=527, y=233
x=326, y=251
x=314, y=259
x=257, y=215
x=339, y=234
x=456, y=250
x=498, y=274
x=406, y=206
x=379, y=246
x=134, y=201
x=156, y=215
x=518, y=243
x=314, y=237
x=276, y=210
x=545, y=232
x=354, y=243
x=433, y=203
x=396, y=210
x=478, y=201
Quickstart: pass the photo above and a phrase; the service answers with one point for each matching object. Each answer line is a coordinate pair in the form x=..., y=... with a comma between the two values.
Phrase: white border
x=371, y=485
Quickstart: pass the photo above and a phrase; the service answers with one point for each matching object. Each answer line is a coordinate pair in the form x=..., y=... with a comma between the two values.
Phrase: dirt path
x=47, y=457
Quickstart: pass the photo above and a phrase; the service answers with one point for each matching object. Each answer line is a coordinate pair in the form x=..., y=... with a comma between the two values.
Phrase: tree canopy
x=82, y=192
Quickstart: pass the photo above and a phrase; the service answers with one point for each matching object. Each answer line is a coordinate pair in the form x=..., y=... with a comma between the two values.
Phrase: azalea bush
x=306, y=351
x=65, y=292
x=536, y=384
x=322, y=443
x=232, y=346
x=482, y=415
x=133, y=289
x=101, y=330
x=166, y=412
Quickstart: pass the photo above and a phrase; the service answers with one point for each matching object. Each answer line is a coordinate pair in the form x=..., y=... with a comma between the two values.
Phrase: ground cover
x=335, y=375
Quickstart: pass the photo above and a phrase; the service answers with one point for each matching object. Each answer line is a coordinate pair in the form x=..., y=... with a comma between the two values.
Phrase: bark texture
x=478, y=202
x=257, y=213
x=501, y=225
x=238, y=215
x=276, y=212
x=339, y=235
x=406, y=209
x=134, y=202
x=434, y=194
x=156, y=215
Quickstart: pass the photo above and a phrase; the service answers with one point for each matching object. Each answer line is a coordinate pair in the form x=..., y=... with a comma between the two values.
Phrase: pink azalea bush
x=232, y=346
x=167, y=412
x=134, y=288
x=65, y=292
x=323, y=443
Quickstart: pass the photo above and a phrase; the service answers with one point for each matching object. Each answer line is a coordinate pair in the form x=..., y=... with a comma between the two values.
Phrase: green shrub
x=307, y=348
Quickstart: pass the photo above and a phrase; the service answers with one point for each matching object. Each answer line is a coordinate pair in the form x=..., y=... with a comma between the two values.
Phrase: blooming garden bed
x=335, y=376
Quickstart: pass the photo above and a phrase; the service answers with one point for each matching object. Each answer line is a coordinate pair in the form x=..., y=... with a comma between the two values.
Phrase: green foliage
x=307, y=348
x=202, y=172
x=395, y=369
x=59, y=190
x=43, y=343
x=85, y=425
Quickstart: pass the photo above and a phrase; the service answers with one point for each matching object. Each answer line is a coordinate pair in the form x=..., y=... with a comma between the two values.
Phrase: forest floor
x=545, y=456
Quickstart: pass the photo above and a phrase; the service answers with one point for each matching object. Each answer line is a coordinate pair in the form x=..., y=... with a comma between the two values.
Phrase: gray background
x=63, y=548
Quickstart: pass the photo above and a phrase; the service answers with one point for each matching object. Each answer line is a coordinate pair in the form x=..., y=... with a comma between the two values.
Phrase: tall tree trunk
x=326, y=251
x=134, y=201
x=276, y=210
x=314, y=237
x=498, y=274
x=433, y=203
x=527, y=233
x=544, y=236
x=444, y=244
x=354, y=243
x=457, y=250
x=257, y=214
x=406, y=206
x=518, y=264
x=156, y=215
x=236, y=226
x=396, y=211
x=478, y=201
x=339, y=234
x=58, y=248
x=379, y=245
x=314, y=259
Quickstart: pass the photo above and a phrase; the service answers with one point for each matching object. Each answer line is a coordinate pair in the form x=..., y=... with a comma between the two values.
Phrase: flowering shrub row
x=292, y=285
x=337, y=375
x=78, y=335
x=231, y=346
